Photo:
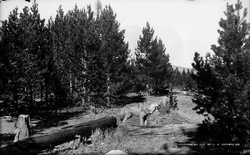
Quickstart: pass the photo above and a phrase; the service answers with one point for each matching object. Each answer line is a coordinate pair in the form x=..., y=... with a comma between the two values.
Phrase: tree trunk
x=23, y=128
x=46, y=93
x=70, y=83
x=16, y=104
x=147, y=89
x=41, y=91
x=34, y=145
x=84, y=81
x=108, y=90
x=31, y=106
x=56, y=104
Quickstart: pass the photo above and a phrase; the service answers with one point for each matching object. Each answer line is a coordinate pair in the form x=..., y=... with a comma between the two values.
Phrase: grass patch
x=104, y=141
x=120, y=139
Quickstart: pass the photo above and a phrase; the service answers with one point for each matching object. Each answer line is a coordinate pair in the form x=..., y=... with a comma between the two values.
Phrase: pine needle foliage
x=223, y=79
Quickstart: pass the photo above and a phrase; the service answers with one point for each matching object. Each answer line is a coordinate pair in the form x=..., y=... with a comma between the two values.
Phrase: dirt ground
x=131, y=144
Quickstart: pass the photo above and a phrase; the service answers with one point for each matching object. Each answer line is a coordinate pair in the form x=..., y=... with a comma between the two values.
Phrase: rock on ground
x=116, y=152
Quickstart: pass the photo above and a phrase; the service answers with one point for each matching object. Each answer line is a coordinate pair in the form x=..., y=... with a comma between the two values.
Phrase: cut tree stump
x=23, y=128
x=35, y=144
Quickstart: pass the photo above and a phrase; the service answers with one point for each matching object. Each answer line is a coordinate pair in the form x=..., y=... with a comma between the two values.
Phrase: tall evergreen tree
x=223, y=79
x=152, y=63
x=59, y=60
x=112, y=56
x=144, y=46
x=11, y=63
x=160, y=68
x=23, y=44
x=34, y=28
x=80, y=23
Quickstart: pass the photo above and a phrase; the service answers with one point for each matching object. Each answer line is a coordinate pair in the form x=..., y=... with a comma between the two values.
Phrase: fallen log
x=35, y=144
x=163, y=130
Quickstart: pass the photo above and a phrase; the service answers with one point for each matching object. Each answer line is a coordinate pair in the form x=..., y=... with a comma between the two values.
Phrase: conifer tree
x=154, y=69
x=144, y=46
x=79, y=23
x=113, y=54
x=34, y=29
x=160, y=68
x=11, y=62
x=190, y=83
x=59, y=60
x=223, y=78
x=98, y=8
x=176, y=78
x=23, y=42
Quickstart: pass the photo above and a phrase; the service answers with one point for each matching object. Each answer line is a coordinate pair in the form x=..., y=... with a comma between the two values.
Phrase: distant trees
x=152, y=63
x=223, y=78
x=183, y=80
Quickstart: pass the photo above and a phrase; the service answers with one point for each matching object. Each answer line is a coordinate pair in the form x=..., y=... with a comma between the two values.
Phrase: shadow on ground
x=47, y=120
x=205, y=141
x=41, y=120
x=6, y=139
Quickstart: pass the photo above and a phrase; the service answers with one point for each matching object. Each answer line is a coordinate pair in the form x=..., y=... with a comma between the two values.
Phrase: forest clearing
x=64, y=81
x=126, y=138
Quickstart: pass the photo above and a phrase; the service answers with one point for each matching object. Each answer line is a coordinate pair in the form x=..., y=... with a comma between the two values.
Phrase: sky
x=185, y=26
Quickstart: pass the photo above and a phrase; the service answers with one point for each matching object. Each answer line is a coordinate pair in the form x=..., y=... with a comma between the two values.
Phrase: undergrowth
x=104, y=141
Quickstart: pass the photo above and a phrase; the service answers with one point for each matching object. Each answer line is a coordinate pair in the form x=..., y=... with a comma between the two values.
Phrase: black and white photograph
x=124, y=77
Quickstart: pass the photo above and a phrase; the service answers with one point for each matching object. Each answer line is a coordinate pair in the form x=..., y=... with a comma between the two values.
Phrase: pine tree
x=33, y=27
x=144, y=46
x=98, y=8
x=223, y=79
x=59, y=60
x=11, y=64
x=183, y=79
x=79, y=23
x=23, y=47
x=154, y=69
x=176, y=79
x=190, y=83
x=112, y=56
x=160, y=68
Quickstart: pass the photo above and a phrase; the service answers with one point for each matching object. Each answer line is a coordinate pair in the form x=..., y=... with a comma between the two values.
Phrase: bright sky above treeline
x=185, y=26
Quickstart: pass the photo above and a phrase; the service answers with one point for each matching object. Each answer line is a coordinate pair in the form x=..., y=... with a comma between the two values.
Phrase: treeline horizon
x=77, y=58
